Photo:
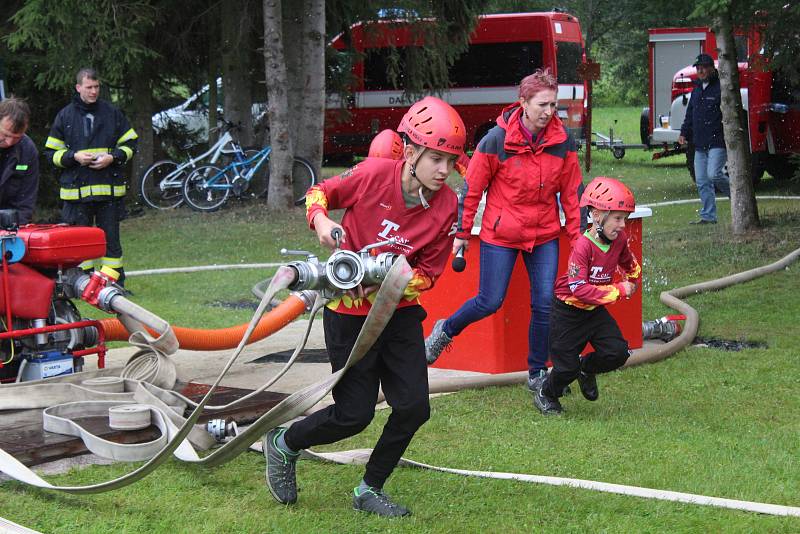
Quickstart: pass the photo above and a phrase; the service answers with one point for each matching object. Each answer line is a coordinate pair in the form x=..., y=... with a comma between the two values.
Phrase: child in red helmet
x=579, y=314
x=383, y=198
x=387, y=144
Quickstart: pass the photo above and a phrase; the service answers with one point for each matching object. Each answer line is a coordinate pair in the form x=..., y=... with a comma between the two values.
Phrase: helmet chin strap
x=599, y=228
x=413, y=165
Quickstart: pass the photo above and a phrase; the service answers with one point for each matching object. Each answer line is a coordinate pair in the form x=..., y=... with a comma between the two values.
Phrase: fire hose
x=176, y=429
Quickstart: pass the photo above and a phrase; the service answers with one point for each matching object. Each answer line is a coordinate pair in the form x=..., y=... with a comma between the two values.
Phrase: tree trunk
x=280, y=162
x=293, y=26
x=744, y=212
x=312, y=116
x=237, y=96
x=142, y=122
x=213, y=98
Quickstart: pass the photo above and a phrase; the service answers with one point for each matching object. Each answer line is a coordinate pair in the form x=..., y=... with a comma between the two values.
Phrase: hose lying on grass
x=673, y=299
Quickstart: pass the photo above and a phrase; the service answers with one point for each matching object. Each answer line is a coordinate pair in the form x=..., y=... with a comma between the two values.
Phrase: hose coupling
x=221, y=429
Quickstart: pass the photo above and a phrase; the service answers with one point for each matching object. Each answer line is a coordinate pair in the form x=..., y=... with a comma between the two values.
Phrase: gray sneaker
x=436, y=342
x=532, y=384
x=375, y=501
x=542, y=401
x=281, y=477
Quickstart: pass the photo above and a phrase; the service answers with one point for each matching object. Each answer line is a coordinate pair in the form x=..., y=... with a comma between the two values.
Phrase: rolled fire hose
x=387, y=297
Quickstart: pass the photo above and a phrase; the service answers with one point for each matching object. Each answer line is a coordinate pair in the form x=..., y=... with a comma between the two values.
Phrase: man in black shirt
x=19, y=160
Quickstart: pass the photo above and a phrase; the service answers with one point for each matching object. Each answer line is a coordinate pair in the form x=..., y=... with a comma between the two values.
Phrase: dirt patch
x=306, y=356
x=728, y=344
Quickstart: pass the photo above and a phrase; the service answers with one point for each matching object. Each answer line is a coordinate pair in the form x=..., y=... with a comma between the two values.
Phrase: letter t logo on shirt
x=388, y=226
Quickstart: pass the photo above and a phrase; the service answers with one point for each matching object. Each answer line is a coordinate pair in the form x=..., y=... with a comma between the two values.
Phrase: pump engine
x=42, y=333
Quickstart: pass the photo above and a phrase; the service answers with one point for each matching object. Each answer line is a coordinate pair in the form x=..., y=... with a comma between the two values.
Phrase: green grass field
x=705, y=421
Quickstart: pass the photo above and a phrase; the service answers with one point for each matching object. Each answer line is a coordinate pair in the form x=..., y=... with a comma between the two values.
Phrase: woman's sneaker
x=436, y=342
x=542, y=401
x=375, y=501
x=281, y=474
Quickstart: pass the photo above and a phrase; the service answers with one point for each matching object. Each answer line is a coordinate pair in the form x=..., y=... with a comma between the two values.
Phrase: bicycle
x=162, y=183
x=208, y=187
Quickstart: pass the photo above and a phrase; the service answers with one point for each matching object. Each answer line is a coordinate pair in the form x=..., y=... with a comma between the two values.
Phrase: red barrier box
x=499, y=343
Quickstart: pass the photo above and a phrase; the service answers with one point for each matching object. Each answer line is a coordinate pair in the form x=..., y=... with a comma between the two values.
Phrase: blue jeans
x=497, y=264
x=708, y=165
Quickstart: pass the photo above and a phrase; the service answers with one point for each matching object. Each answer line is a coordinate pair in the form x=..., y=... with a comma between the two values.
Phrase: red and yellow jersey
x=372, y=196
x=589, y=280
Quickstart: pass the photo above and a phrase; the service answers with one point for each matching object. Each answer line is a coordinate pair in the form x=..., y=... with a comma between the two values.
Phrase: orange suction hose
x=222, y=338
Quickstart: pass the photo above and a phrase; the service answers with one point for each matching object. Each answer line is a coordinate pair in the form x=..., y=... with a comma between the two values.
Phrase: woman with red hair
x=524, y=164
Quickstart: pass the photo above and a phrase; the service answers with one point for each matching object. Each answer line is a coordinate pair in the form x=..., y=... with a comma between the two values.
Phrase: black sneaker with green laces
x=376, y=502
x=281, y=474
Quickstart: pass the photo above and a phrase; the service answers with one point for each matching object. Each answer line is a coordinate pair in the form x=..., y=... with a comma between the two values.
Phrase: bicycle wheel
x=303, y=177
x=157, y=191
x=207, y=188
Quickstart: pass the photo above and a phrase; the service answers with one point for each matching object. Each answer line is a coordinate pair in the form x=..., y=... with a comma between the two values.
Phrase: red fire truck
x=502, y=50
x=771, y=101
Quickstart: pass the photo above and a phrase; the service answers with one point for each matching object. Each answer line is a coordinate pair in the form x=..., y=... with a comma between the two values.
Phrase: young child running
x=579, y=314
x=384, y=198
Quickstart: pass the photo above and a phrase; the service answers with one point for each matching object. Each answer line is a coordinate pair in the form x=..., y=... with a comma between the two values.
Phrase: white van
x=190, y=118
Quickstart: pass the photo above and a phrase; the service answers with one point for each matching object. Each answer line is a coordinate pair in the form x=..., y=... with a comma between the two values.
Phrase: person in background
x=524, y=164
x=702, y=127
x=90, y=143
x=383, y=198
x=579, y=315
x=19, y=160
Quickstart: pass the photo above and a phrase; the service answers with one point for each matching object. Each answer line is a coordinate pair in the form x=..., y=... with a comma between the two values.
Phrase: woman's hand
x=458, y=243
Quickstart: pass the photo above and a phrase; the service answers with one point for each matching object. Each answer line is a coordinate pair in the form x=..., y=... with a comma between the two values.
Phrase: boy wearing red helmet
x=579, y=314
x=383, y=198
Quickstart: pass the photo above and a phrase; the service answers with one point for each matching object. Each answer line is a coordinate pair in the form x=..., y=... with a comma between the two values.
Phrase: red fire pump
x=42, y=332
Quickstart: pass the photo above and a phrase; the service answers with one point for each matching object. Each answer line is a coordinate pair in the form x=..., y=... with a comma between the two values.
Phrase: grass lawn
x=705, y=421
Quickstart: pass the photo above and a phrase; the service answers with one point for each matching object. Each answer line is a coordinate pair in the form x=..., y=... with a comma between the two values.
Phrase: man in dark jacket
x=19, y=160
x=703, y=127
x=90, y=142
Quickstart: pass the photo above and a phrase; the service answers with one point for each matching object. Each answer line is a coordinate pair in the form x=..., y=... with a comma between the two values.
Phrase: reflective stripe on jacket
x=110, y=132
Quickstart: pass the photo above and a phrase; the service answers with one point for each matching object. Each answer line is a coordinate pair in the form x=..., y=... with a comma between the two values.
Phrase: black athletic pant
x=396, y=363
x=105, y=215
x=571, y=329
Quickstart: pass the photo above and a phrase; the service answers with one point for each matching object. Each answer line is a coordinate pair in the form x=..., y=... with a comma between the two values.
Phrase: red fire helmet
x=387, y=144
x=433, y=123
x=608, y=194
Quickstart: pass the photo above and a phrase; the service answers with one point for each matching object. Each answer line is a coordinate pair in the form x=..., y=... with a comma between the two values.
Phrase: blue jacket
x=702, y=126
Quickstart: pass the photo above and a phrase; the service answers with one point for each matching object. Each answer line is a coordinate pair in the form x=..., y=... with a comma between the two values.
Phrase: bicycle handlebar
x=226, y=125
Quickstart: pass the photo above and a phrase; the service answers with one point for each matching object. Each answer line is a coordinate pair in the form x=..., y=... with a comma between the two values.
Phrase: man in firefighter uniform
x=90, y=143
x=19, y=160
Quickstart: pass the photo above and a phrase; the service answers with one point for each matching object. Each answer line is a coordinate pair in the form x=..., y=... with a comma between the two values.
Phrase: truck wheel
x=644, y=127
x=780, y=167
